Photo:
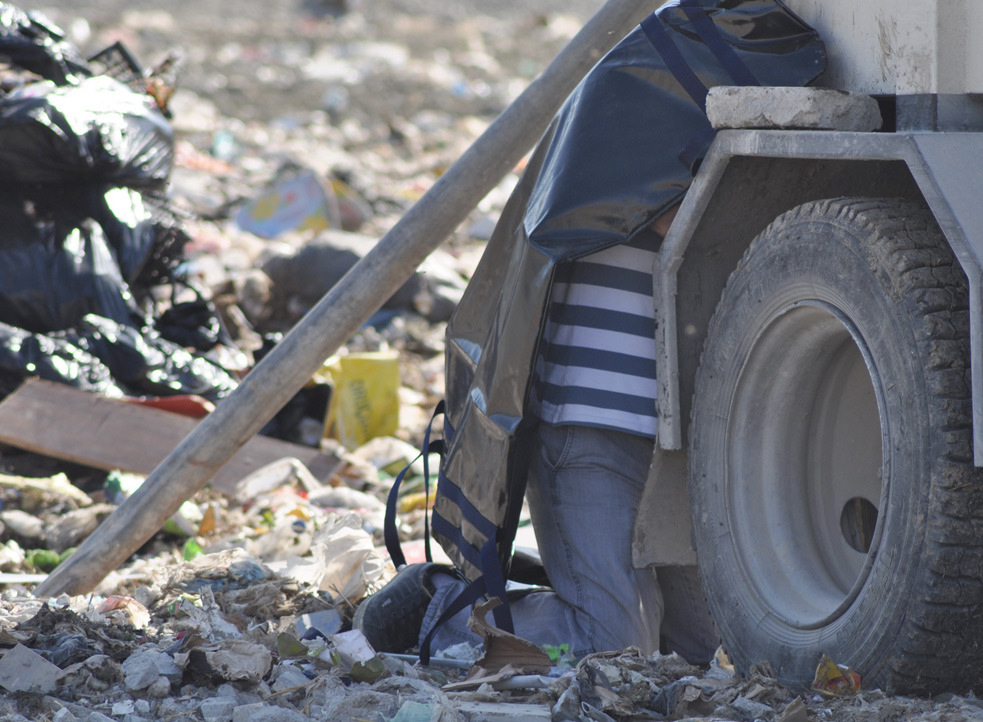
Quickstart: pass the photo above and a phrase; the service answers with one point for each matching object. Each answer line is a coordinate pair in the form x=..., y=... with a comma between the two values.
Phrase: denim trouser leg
x=583, y=491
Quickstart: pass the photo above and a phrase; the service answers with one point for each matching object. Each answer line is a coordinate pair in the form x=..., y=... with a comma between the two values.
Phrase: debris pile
x=239, y=190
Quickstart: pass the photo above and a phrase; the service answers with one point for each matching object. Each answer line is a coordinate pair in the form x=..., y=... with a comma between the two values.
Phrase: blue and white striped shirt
x=597, y=360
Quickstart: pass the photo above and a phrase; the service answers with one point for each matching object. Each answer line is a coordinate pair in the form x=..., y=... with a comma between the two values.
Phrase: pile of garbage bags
x=90, y=252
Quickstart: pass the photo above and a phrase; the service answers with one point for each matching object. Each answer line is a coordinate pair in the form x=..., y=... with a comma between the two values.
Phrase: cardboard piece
x=506, y=655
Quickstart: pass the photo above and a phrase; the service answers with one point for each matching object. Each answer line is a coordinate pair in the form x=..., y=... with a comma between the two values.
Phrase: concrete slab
x=791, y=108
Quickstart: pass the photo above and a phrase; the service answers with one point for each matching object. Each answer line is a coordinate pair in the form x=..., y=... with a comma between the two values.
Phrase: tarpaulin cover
x=619, y=154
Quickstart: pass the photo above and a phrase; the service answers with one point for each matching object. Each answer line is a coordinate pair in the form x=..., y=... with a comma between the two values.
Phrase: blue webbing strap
x=470, y=594
x=455, y=536
x=674, y=60
x=696, y=147
x=492, y=583
x=469, y=512
x=429, y=447
x=389, y=532
x=491, y=569
x=721, y=49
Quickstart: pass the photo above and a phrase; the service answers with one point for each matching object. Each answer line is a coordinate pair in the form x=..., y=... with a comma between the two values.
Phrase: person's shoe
x=391, y=618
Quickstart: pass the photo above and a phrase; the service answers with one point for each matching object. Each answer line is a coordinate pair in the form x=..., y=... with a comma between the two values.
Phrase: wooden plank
x=65, y=423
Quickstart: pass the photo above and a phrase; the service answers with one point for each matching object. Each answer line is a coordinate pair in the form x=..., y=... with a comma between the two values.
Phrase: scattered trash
x=505, y=657
x=181, y=253
x=185, y=522
x=835, y=679
x=365, y=401
x=296, y=201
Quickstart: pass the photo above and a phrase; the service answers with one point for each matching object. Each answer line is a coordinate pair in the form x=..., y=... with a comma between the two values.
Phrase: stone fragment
x=231, y=660
x=743, y=708
x=217, y=709
x=262, y=712
x=96, y=716
x=791, y=108
x=365, y=703
x=24, y=670
x=26, y=526
x=146, y=666
x=289, y=677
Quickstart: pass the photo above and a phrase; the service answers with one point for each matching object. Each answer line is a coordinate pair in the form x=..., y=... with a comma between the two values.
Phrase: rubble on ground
x=299, y=136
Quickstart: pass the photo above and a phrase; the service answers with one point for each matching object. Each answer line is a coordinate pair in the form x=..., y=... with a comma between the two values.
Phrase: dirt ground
x=384, y=94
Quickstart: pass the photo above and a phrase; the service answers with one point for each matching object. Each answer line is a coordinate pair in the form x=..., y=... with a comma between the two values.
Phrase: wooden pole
x=344, y=308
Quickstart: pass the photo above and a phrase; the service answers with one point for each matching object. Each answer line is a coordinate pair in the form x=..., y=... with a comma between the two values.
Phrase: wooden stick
x=344, y=308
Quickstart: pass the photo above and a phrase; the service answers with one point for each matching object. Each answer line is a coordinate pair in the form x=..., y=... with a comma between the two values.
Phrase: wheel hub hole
x=857, y=522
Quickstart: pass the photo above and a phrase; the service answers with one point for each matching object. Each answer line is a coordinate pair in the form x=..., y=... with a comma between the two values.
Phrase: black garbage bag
x=66, y=251
x=101, y=356
x=68, y=314
x=97, y=130
x=192, y=324
x=31, y=41
x=146, y=237
x=144, y=363
x=56, y=268
x=24, y=354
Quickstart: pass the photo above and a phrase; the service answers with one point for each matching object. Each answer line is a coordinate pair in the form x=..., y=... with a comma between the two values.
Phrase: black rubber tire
x=870, y=286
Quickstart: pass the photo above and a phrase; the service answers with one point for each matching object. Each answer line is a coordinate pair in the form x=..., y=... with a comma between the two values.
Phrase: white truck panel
x=902, y=47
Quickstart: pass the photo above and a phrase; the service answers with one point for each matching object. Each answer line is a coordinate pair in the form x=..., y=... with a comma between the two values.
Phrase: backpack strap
x=694, y=150
x=491, y=583
x=390, y=533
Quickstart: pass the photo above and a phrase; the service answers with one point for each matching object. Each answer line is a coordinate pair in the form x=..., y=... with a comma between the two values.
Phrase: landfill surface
x=241, y=607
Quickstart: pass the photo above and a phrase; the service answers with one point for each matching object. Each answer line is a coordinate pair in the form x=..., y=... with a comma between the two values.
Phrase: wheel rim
x=804, y=451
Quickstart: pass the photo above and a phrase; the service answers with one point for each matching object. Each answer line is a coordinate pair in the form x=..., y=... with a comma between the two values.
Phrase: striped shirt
x=597, y=360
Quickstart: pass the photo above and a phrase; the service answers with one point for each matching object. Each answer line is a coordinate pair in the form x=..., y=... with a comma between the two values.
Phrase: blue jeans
x=584, y=486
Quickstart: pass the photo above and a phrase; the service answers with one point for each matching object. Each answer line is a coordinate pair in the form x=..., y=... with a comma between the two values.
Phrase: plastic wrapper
x=31, y=41
x=620, y=153
x=96, y=130
x=835, y=680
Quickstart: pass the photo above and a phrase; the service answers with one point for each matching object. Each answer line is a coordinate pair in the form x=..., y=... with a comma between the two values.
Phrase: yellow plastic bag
x=365, y=400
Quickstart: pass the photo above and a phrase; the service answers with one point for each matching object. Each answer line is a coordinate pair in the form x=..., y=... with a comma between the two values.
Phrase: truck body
x=820, y=366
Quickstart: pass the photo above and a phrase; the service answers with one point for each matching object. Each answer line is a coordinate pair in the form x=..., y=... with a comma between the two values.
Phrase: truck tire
x=836, y=506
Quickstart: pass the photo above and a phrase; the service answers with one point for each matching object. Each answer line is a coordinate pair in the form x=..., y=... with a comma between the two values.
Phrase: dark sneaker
x=391, y=618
